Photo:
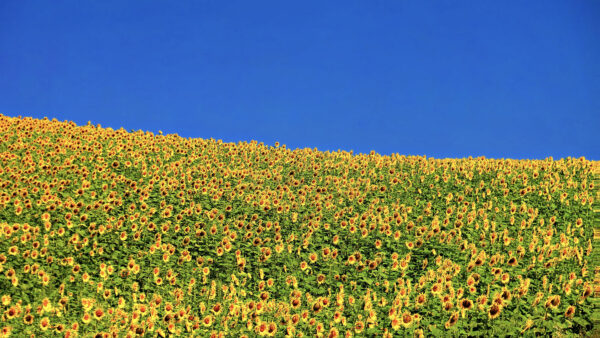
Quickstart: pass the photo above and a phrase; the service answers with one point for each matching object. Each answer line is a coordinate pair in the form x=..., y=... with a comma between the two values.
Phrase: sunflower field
x=109, y=233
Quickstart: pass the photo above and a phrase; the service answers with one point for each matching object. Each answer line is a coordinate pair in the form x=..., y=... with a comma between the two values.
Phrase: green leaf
x=436, y=332
x=581, y=321
x=371, y=331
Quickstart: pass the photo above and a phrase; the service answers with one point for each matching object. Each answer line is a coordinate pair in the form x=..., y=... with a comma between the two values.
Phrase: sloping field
x=106, y=233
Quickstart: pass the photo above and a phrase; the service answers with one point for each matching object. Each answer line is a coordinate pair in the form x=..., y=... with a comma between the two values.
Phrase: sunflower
x=260, y=307
x=216, y=309
x=98, y=314
x=494, y=311
x=528, y=324
x=396, y=323
x=359, y=326
x=321, y=278
x=481, y=302
x=436, y=289
x=207, y=321
x=497, y=299
x=453, y=320
x=570, y=311
x=272, y=329
x=506, y=295
x=586, y=292
x=553, y=302
x=46, y=305
x=45, y=324
x=465, y=304
x=11, y=313
x=13, y=250
x=264, y=295
x=295, y=319
x=316, y=308
x=406, y=320
x=505, y=278
x=28, y=319
x=421, y=299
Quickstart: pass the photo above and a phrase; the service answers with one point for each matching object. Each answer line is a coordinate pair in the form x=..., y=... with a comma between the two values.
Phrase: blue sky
x=445, y=79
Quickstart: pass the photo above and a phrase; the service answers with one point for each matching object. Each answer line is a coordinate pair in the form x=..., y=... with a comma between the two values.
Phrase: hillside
x=108, y=232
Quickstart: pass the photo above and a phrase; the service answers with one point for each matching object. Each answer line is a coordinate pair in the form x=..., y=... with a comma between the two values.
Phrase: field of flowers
x=109, y=233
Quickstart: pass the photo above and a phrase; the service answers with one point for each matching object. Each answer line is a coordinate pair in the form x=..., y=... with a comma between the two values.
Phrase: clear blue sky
x=445, y=79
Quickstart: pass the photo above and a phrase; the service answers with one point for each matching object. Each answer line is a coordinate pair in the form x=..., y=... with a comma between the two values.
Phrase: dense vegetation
x=112, y=233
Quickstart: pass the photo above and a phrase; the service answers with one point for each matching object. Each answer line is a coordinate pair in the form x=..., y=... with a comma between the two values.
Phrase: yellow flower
x=98, y=313
x=528, y=324
x=207, y=321
x=28, y=319
x=406, y=320
x=396, y=323
x=465, y=304
x=45, y=280
x=494, y=311
x=570, y=311
x=359, y=326
x=453, y=319
x=46, y=305
x=553, y=302
x=436, y=289
x=11, y=313
x=45, y=324
x=13, y=250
